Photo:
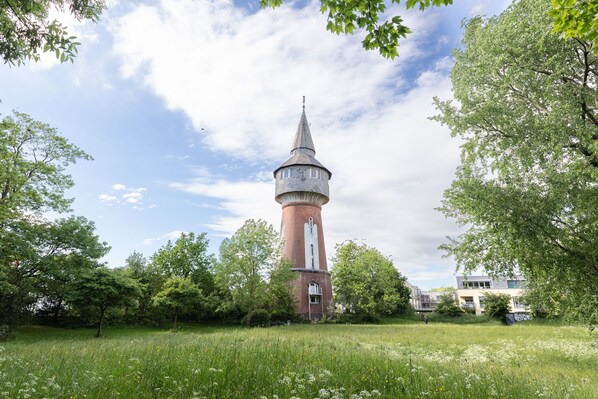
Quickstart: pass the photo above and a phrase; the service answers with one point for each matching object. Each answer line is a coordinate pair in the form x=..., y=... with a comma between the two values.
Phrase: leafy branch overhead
x=26, y=29
x=344, y=16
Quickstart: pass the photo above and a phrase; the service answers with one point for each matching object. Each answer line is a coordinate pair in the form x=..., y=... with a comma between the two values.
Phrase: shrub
x=259, y=318
x=448, y=307
x=6, y=333
x=497, y=306
x=358, y=318
x=282, y=315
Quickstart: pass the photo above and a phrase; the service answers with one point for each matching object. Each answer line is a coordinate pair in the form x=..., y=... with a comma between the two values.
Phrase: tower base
x=310, y=303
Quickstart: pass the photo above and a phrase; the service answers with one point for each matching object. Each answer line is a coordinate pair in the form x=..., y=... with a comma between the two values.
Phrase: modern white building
x=471, y=291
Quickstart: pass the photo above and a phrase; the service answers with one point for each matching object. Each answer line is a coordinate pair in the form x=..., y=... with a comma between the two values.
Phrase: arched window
x=315, y=292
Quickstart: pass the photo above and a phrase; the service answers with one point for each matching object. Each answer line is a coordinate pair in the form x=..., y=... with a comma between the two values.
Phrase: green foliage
x=448, y=306
x=444, y=288
x=497, y=305
x=178, y=295
x=280, y=293
x=26, y=30
x=33, y=157
x=366, y=282
x=247, y=260
x=6, y=333
x=382, y=34
x=103, y=288
x=187, y=257
x=527, y=186
x=576, y=19
x=258, y=318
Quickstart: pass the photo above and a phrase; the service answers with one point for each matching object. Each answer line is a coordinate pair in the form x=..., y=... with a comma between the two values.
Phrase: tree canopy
x=247, y=261
x=366, y=282
x=526, y=110
x=26, y=29
x=179, y=294
x=102, y=288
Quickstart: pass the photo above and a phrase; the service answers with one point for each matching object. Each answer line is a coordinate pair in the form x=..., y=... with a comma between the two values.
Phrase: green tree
x=151, y=280
x=383, y=32
x=448, y=306
x=497, y=305
x=33, y=158
x=280, y=292
x=573, y=18
x=187, y=257
x=366, y=282
x=444, y=288
x=577, y=19
x=39, y=258
x=527, y=185
x=103, y=288
x=247, y=259
x=26, y=29
x=178, y=295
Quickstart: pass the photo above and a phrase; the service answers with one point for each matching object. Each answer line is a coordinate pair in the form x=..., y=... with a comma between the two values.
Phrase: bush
x=259, y=318
x=497, y=306
x=282, y=316
x=448, y=307
x=358, y=318
x=6, y=333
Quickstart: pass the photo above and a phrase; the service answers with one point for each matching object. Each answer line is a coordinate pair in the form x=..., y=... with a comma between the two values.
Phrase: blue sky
x=187, y=106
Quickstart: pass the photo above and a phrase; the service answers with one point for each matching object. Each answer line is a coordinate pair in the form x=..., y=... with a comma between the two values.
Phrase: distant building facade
x=425, y=301
x=302, y=190
x=471, y=291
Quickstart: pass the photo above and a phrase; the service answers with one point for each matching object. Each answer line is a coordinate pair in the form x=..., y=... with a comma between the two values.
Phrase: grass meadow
x=393, y=360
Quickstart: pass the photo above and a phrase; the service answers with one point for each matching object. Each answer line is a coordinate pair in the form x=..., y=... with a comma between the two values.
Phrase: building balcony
x=315, y=290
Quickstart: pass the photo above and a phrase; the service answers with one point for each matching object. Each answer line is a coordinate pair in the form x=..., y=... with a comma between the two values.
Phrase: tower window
x=312, y=256
x=314, y=289
x=313, y=173
x=314, y=299
x=286, y=173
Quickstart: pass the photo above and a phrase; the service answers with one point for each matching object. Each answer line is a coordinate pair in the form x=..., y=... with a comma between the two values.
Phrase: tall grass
x=408, y=360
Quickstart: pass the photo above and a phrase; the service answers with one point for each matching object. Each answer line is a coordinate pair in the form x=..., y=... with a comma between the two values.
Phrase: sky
x=188, y=106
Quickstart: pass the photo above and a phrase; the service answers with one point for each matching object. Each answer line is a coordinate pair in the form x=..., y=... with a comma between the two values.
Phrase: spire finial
x=303, y=103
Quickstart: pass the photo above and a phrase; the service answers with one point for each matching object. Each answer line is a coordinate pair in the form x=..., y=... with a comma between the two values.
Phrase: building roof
x=303, y=151
x=303, y=141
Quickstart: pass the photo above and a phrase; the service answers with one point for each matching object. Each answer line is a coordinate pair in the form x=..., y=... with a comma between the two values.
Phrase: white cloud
x=173, y=235
x=241, y=76
x=107, y=198
x=128, y=195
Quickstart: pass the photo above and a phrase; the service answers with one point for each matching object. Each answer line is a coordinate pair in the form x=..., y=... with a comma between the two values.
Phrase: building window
x=517, y=304
x=314, y=299
x=468, y=302
x=481, y=299
x=312, y=256
x=286, y=173
x=476, y=284
x=513, y=284
x=313, y=173
x=314, y=289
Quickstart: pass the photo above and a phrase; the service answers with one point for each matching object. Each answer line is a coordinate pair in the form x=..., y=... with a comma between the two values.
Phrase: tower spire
x=303, y=142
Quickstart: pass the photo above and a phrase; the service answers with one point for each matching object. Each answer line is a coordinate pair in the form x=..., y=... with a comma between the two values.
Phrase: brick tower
x=302, y=189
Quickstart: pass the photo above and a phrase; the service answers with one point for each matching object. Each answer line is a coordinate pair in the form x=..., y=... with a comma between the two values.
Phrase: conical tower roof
x=303, y=139
x=303, y=151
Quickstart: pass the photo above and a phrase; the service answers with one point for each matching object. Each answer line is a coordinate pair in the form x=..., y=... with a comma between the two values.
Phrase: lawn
x=401, y=360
